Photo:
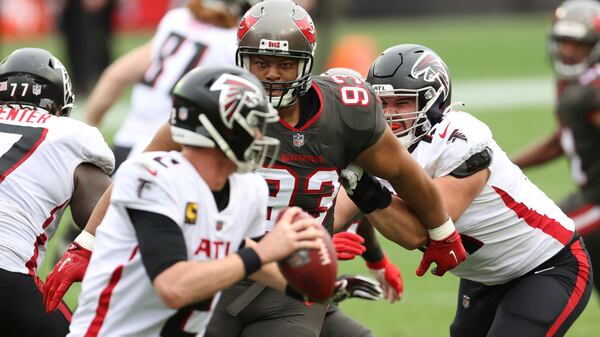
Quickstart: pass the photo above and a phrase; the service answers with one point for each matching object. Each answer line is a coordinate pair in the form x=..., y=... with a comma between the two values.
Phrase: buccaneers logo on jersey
x=236, y=93
x=431, y=68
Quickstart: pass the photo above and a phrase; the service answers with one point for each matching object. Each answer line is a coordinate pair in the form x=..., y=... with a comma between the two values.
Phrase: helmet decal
x=236, y=93
x=307, y=27
x=431, y=68
x=245, y=24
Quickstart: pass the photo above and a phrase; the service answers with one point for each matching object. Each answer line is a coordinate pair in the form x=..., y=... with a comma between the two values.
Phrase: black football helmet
x=411, y=70
x=225, y=107
x=33, y=76
x=279, y=28
x=575, y=20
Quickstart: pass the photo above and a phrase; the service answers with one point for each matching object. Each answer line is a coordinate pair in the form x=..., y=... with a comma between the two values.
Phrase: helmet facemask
x=290, y=89
x=419, y=124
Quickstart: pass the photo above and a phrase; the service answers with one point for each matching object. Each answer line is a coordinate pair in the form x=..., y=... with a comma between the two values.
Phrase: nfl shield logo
x=36, y=89
x=298, y=140
x=466, y=301
x=219, y=225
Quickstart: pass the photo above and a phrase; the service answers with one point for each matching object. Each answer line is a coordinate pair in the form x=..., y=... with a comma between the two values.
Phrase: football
x=312, y=272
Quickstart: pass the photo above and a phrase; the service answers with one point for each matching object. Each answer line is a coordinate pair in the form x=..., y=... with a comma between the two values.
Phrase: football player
x=48, y=162
x=575, y=51
x=528, y=272
x=325, y=124
x=386, y=272
x=202, y=33
x=169, y=240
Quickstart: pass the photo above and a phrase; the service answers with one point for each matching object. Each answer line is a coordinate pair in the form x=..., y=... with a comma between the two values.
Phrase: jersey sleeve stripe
x=104, y=300
x=41, y=239
x=536, y=220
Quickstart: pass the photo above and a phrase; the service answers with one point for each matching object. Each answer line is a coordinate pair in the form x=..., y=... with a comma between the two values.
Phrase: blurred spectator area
x=25, y=18
x=34, y=18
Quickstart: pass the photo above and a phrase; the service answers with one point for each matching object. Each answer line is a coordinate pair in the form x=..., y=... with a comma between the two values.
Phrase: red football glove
x=390, y=278
x=68, y=270
x=348, y=245
x=447, y=254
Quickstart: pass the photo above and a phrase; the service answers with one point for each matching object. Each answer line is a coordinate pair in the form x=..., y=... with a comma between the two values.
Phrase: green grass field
x=484, y=48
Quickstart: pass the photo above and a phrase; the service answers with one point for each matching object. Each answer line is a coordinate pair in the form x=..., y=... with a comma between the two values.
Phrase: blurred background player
x=169, y=241
x=87, y=28
x=575, y=51
x=527, y=273
x=202, y=33
x=48, y=162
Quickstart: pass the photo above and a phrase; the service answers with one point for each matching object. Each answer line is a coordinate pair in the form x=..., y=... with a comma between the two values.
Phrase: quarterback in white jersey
x=200, y=34
x=527, y=272
x=48, y=161
x=171, y=238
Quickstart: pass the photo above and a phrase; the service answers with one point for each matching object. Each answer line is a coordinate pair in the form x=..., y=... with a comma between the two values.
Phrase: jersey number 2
x=17, y=143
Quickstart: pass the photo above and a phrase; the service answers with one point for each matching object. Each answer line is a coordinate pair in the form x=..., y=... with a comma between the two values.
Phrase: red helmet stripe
x=247, y=22
x=307, y=28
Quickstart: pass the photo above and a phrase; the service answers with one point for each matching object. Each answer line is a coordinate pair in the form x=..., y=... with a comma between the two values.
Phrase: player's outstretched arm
x=547, y=149
x=90, y=184
x=389, y=160
x=125, y=71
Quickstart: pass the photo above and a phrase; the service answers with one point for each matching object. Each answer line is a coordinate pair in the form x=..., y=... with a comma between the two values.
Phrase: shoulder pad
x=477, y=162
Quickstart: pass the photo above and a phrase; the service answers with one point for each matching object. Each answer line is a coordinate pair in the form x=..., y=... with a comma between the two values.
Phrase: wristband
x=251, y=260
x=377, y=264
x=85, y=240
x=372, y=256
x=443, y=231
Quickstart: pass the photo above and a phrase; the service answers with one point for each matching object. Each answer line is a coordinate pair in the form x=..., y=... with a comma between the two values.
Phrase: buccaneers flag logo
x=432, y=69
x=236, y=93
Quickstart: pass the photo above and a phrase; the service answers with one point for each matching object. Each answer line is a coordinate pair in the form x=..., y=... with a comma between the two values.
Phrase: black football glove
x=364, y=190
x=355, y=286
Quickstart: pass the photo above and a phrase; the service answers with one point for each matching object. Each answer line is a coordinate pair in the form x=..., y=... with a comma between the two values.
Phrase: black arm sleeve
x=477, y=162
x=161, y=241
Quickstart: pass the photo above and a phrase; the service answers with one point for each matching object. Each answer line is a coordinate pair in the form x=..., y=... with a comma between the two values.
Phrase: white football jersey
x=38, y=156
x=117, y=296
x=516, y=224
x=181, y=43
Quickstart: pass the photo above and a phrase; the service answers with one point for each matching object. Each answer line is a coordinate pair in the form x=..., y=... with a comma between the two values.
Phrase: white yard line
x=480, y=96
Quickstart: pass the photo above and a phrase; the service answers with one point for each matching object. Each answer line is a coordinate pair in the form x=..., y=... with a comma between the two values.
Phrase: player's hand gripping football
x=68, y=270
x=445, y=249
x=289, y=234
x=348, y=245
x=355, y=286
x=390, y=278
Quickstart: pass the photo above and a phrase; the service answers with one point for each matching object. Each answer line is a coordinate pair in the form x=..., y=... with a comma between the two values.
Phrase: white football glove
x=350, y=176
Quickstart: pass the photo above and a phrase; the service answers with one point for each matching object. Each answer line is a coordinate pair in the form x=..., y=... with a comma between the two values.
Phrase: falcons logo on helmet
x=236, y=93
x=432, y=69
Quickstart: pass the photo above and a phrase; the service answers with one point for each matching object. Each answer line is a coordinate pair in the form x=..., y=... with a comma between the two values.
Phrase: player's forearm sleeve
x=161, y=241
